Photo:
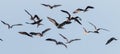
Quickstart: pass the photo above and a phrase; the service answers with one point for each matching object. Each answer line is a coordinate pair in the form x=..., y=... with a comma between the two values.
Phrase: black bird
x=88, y=7
x=110, y=40
x=10, y=26
x=38, y=23
x=77, y=10
x=58, y=25
x=77, y=19
x=32, y=17
x=96, y=29
x=40, y=34
x=51, y=7
x=68, y=41
x=69, y=15
x=57, y=42
x=25, y=33
x=1, y=39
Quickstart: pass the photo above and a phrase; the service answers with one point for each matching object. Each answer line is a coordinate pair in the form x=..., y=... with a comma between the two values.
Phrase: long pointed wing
x=63, y=37
x=102, y=29
x=16, y=25
x=56, y=5
x=50, y=39
x=75, y=19
x=61, y=43
x=47, y=5
x=73, y=40
x=110, y=40
x=93, y=25
x=6, y=24
x=89, y=7
x=25, y=33
x=46, y=30
x=69, y=16
x=53, y=21
x=28, y=13
x=77, y=10
x=63, y=23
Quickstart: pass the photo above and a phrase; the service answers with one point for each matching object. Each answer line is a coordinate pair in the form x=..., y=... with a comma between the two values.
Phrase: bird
x=69, y=15
x=50, y=6
x=77, y=10
x=88, y=7
x=58, y=25
x=11, y=26
x=110, y=40
x=96, y=29
x=25, y=33
x=40, y=34
x=56, y=42
x=32, y=17
x=68, y=41
x=1, y=39
x=77, y=18
x=38, y=23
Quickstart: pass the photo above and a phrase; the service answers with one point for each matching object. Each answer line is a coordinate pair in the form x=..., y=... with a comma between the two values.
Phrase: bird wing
x=56, y=5
x=53, y=21
x=77, y=10
x=16, y=25
x=75, y=19
x=47, y=5
x=6, y=24
x=89, y=7
x=50, y=39
x=36, y=16
x=25, y=33
x=73, y=40
x=110, y=40
x=69, y=16
x=64, y=37
x=62, y=24
x=1, y=39
x=85, y=30
x=93, y=25
x=102, y=29
x=46, y=30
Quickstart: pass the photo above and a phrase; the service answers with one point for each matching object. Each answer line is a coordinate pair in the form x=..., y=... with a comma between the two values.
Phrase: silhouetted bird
x=40, y=34
x=57, y=42
x=68, y=41
x=51, y=7
x=77, y=19
x=96, y=29
x=25, y=33
x=88, y=7
x=110, y=40
x=58, y=25
x=10, y=26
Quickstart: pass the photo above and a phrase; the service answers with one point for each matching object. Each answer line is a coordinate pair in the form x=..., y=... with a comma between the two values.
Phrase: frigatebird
x=50, y=6
x=10, y=26
x=110, y=40
x=57, y=42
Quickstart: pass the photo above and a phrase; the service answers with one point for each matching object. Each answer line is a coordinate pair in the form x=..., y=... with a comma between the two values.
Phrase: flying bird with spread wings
x=56, y=42
x=50, y=6
x=110, y=40
x=10, y=26
x=68, y=41
x=40, y=34
x=25, y=33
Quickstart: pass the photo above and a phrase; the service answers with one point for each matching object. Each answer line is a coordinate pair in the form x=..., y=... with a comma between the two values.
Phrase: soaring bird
x=10, y=26
x=40, y=34
x=58, y=25
x=110, y=40
x=96, y=29
x=50, y=6
x=68, y=41
x=88, y=7
x=25, y=33
x=57, y=42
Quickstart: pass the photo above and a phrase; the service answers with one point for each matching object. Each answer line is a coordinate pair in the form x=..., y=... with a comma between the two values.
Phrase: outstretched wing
x=6, y=24
x=56, y=5
x=77, y=10
x=89, y=7
x=102, y=29
x=69, y=16
x=110, y=40
x=63, y=37
x=47, y=5
x=25, y=33
x=16, y=25
x=73, y=40
x=50, y=39
x=46, y=30
x=53, y=21
x=61, y=43
x=76, y=19
x=93, y=25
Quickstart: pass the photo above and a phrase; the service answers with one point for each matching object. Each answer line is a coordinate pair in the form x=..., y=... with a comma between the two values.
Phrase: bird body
x=50, y=6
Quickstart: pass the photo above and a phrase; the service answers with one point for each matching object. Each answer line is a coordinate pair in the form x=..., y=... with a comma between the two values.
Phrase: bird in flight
x=1, y=39
x=10, y=26
x=110, y=40
x=50, y=6
x=68, y=41
x=96, y=29
x=84, y=10
x=40, y=34
x=25, y=33
x=58, y=25
x=57, y=42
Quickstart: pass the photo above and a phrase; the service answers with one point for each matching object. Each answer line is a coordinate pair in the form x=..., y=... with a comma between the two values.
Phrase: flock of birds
x=37, y=21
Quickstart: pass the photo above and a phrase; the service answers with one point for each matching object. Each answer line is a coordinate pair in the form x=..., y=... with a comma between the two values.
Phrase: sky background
x=105, y=15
